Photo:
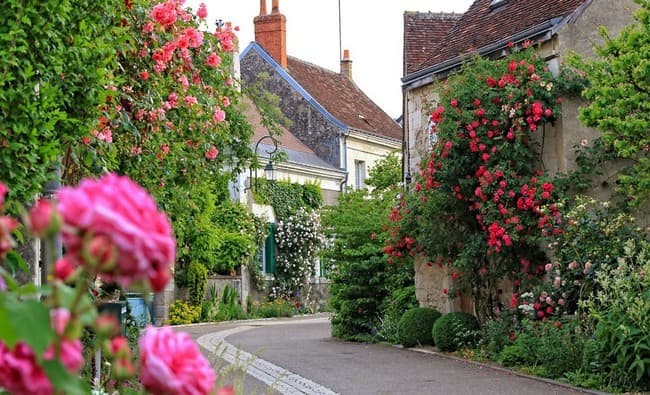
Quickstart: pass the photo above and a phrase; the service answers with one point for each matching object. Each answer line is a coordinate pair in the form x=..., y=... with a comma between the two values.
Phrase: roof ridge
x=315, y=66
x=440, y=14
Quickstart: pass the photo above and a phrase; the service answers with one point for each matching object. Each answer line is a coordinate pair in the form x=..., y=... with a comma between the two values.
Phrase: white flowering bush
x=298, y=239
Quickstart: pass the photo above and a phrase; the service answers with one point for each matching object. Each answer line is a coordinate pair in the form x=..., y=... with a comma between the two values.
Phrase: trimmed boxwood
x=454, y=330
x=415, y=326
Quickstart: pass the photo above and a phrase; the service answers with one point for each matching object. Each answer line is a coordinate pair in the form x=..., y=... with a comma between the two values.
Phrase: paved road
x=299, y=356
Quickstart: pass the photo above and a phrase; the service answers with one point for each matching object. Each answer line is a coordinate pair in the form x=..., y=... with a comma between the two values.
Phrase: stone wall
x=309, y=125
x=557, y=140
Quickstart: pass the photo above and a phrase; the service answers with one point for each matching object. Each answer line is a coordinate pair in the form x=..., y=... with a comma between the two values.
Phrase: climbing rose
x=20, y=373
x=202, y=11
x=212, y=153
x=122, y=215
x=43, y=219
x=70, y=354
x=171, y=363
x=3, y=192
x=7, y=225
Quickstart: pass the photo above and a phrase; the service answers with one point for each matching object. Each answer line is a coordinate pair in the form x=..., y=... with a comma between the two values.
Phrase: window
x=359, y=174
x=497, y=3
x=267, y=254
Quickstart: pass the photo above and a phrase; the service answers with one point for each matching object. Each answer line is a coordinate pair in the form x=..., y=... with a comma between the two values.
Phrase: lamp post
x=269, y=170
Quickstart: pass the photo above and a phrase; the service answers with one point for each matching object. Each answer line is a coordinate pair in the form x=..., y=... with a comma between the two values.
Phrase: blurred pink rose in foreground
x=43, y=220
x=171, y=363
x=125, y=218
x=20, y=373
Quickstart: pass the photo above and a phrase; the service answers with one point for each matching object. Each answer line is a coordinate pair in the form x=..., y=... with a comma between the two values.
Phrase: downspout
x=344, y=157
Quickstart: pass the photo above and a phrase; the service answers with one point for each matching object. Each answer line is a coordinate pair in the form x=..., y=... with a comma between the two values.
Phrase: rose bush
x=111, y=228
x=481, y=202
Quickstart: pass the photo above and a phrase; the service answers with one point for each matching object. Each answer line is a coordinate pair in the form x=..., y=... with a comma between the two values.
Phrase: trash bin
x=141, y=308
x=116, y=309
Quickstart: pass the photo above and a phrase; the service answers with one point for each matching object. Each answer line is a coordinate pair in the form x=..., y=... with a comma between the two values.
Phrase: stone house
x=436, y=44
x=328, y=111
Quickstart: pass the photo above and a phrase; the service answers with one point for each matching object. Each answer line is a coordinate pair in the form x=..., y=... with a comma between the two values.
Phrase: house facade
x=328, y=112
x=487, y=28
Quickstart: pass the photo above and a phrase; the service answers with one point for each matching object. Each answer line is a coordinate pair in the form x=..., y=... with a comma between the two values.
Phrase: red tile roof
x=480, y=26
x=343, y=99
x=423, y=31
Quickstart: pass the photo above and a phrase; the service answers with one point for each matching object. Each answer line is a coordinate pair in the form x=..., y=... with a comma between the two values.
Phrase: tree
x=619, y=99
x=360, y=280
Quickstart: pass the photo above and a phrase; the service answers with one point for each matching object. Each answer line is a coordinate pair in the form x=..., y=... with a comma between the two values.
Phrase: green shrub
x=395, y=305
x=455, y=330
x=273, y=308
x=621, y=311
x=182, y=313
x=415, y=326
x=197, y=279
x=498, y=333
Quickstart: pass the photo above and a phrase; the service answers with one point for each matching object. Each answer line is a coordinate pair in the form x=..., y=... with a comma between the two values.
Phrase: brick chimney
x=271, y=32
x=346, y=64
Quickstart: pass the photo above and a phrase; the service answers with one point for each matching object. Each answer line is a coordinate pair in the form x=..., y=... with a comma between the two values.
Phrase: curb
x=504, y=370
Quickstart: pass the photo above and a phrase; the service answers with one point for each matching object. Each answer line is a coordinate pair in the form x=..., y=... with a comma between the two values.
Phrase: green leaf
x=16, y=262
x=63, y=381
x=26, y=320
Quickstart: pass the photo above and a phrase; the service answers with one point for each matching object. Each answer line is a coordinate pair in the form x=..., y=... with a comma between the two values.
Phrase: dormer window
x=495, y=4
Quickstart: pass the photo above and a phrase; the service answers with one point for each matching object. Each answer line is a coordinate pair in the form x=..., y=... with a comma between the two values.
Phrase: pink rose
x=70, y=354
x=59, y=318
x=213, y=60
x=63, y=268
x=3, y=192
x=123, y=216
x=202, y=11
x=171, y=363
x=7, y=225
x=20, y=374
x=43, y=219
x=212, y=153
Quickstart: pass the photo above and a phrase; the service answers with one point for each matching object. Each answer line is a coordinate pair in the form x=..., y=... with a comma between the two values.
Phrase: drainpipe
x=344, y=156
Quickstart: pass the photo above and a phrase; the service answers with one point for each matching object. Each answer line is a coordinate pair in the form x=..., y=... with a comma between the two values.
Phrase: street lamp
x=269, y=170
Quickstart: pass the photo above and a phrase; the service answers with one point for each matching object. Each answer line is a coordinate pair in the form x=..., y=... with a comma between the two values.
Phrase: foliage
x=401, y=299
x=594, y=237
x=298, y=239
x=197, y=278
x=365, y=293
x=415, y=326
x=183, y=313
x=481, y=202
x=455, y=330
x=287, y=198
x=554, y=348
x=621, y=310
x=55, y=56
x=498, y=333
x=618, y=95
x=278, y=307
x=386, y=173
x=358, y=272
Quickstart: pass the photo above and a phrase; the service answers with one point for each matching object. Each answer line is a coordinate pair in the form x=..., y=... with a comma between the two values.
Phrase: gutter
x=430, y=74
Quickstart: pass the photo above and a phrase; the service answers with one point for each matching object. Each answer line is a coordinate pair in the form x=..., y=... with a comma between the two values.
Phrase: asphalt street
x=299, y=356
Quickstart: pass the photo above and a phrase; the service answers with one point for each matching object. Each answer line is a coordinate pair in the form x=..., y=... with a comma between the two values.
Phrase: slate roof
x=343, y=99
x=480, y=26
x=296, y=151
x=423, y=31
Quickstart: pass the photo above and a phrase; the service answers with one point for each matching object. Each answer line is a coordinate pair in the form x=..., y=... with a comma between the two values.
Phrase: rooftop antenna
x=340, y=44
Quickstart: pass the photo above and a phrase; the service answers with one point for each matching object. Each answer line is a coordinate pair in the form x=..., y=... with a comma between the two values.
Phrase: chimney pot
x=346, y=64
x=275, y=7
x=271, y=32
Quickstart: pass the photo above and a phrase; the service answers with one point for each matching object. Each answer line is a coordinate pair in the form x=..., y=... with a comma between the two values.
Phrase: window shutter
x=269, y=249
